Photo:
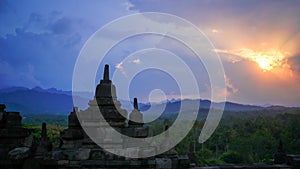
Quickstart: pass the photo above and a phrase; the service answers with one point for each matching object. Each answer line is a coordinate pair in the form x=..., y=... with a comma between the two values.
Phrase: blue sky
x=258, y=42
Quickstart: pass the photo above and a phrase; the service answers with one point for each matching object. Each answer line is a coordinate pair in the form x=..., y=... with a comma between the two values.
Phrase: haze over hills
x=58, y=102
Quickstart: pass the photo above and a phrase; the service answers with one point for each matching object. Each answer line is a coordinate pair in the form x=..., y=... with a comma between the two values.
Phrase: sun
x=267, y=60
x=264, y=63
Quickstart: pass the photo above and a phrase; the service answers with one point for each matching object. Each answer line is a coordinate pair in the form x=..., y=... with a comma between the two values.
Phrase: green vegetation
x=49, y=119
x=55, y=124
x=53, y=131
x=239, y=138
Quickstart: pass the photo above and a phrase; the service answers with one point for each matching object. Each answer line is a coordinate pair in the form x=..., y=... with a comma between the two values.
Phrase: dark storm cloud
x=61, y=26
x=5, y=7
x=33, y=52
x=40, y=41
x=52, y=23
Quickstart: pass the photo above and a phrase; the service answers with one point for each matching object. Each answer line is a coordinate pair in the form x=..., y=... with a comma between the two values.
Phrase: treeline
x=49, y=119
x=245, y=139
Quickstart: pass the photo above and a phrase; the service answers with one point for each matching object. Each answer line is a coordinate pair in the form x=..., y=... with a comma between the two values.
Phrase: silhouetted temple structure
x=16, y=142
x=107, y=103
x=75, y=149
x=136, y=117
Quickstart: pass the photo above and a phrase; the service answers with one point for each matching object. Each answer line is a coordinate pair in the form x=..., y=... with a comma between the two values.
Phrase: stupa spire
x=106, y=73
x=135, y=103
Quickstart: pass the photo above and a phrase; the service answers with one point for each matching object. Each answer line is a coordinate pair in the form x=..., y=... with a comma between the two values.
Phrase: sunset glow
x=266, y=60
x=264, y=64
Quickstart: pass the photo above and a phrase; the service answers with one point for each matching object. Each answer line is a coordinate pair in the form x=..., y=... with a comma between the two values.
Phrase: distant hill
x=174, y=106
x=53, y=101
x=36, y=100
x=46, y=101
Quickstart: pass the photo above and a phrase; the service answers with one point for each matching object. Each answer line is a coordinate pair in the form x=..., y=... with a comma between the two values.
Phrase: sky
x=257, y=41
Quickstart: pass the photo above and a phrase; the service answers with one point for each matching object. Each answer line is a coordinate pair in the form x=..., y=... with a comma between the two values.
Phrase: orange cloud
x=267, y=60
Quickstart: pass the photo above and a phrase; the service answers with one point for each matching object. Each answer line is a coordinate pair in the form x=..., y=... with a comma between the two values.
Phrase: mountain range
x=52, y=101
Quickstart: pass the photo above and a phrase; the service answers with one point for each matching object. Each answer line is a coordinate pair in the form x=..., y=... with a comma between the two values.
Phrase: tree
x=232, y=157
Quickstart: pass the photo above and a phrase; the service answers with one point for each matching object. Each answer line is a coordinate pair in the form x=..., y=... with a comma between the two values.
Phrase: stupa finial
x=106, y=72
x=135, y=103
